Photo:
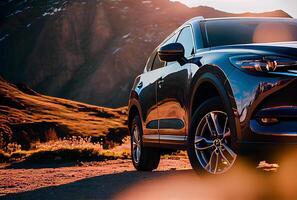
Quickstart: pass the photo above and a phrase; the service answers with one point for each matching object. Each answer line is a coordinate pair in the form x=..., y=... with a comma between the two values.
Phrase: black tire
x=149, y=157
x=197, y=156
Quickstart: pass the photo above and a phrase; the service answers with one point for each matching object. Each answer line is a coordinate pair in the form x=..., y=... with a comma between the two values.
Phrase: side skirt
x=165, y=141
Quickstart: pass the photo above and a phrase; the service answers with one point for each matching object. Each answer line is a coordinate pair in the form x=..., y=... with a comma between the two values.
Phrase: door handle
x=160, y=81
x=140, y=84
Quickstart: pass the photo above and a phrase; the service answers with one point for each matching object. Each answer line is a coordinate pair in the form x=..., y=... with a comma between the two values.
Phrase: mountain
x=88, y=51
x=27, y=117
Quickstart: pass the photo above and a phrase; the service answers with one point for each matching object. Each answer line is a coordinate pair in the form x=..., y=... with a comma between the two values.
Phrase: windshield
x=246, y=31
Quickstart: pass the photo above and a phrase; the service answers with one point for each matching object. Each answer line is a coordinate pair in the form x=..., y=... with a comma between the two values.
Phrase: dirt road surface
x=89, y=180
x=118, y=180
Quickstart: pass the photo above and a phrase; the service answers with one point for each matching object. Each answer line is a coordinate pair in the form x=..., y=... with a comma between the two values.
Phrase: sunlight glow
x=239, y=6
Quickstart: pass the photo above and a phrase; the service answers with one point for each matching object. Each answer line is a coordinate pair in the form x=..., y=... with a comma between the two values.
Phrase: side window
x=185, y=38
x=149, y=62
x=170, y=40
x=157, y=63
x=198, y=36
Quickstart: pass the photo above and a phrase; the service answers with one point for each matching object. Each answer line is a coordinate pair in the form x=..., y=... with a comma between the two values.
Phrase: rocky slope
x=27, y=117
x=88, y=51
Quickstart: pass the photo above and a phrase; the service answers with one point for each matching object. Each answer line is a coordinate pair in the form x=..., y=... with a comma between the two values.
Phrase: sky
x=238, y=6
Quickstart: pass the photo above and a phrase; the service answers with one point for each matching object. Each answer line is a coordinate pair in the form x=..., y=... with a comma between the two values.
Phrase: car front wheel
x=209, y=140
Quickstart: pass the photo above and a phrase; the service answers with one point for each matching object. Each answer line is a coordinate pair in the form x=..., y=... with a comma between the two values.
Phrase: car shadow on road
x=100, y=187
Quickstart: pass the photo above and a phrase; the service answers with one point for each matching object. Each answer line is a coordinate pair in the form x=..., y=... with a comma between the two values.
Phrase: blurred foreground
x=244, y=182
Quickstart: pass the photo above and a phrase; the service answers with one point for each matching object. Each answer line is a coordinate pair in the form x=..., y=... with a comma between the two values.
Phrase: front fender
x=213, y=75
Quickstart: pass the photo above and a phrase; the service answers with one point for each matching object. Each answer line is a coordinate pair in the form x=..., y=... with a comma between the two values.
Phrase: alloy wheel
x=212, y=143
x=136, y=144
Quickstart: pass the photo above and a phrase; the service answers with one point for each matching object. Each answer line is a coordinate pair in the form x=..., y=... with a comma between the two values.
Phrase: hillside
x=27, y=116
x=88, y=51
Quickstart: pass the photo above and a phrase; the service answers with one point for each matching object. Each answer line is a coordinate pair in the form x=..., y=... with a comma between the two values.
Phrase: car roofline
x=201, y=18
x=248, y=18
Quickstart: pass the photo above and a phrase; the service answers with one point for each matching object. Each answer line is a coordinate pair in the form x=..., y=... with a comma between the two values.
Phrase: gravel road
x=117, y=179
x=83, y=180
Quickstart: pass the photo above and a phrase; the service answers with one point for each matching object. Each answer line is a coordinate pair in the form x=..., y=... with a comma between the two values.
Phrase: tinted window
x=157, y=62
x=185, y=38
x=245, y=31
x=198, y=37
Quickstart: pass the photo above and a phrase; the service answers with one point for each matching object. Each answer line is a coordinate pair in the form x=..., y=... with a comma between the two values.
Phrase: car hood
x=283, y=48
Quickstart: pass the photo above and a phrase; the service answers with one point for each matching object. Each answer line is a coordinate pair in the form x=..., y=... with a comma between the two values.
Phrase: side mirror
x=172, y=52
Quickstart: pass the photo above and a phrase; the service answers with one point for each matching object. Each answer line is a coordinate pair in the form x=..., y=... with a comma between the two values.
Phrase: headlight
x=264, y=64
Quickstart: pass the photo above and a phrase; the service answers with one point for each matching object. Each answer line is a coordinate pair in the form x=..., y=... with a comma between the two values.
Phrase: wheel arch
x=133, y=109
x=208, y=90
x=209, y=81
x=132, y=113
x=212, y=82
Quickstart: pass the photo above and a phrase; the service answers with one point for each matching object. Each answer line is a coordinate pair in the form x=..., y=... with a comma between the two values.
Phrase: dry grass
x=74, y=148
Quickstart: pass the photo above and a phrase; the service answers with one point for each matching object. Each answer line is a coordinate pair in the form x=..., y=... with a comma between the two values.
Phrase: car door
x=148, y=85
x=149, y=82
x=172, y=92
